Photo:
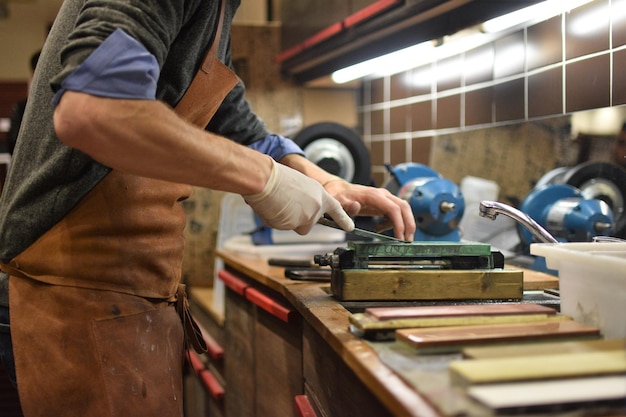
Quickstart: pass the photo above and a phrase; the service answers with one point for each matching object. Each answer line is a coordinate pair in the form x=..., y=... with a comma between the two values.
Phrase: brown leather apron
x=94, y=328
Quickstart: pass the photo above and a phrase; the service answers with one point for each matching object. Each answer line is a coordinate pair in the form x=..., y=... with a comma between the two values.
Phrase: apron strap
x=218, y=31
x=193, y=334
x=211, y=84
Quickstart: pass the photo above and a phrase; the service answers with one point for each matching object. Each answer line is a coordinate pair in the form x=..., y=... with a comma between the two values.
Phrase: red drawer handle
x=303, y=406
x=268, y=304
x=206, y=377
x=196, y=363
x=232, y=282
x=212, y=386
x=214, y=350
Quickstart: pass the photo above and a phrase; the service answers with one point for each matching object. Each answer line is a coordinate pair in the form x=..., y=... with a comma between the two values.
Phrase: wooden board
x=370, y=285
x=453, y=339
x=538, y=367
x=535, y=280
x=554, y=392
x=393, y=313
x=364, y=326
x=380, y=323
x=531, y=349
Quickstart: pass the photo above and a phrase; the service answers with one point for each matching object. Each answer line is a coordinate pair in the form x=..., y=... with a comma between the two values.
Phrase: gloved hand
x=293, y=201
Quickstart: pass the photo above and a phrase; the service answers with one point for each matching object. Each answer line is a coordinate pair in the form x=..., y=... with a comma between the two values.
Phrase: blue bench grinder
x=436, y=202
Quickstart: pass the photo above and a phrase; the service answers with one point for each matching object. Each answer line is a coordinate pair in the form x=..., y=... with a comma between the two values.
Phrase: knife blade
x=359, y=232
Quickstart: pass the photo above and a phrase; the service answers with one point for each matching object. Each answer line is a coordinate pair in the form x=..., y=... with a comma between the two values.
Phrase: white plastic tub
x=592, y=282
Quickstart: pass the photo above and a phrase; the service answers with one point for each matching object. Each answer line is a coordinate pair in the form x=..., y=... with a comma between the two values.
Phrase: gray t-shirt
x=47, y=178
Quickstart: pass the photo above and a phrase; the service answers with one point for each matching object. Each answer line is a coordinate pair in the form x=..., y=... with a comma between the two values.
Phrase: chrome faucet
x=491, y=209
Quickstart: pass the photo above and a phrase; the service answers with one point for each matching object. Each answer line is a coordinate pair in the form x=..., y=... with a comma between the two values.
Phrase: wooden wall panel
x=202, y=210
x=272, y=97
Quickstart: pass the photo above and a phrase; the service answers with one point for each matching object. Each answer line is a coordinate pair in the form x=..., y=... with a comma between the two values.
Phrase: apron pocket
x=141, y=357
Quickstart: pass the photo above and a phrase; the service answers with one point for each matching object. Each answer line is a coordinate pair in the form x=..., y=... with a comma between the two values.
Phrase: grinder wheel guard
x=603, y=181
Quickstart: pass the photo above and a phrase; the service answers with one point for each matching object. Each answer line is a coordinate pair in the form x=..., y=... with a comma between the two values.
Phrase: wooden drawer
x=263, y=350
x=239, y=325
x=278, y=356
x=331, y=386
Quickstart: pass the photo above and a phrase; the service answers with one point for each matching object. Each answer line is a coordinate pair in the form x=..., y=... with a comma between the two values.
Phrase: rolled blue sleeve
x=119, y=68
x=276, y=146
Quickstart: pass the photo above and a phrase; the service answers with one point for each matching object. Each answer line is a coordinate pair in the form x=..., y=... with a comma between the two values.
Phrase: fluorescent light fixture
x=618, y=14
x=408, y=58
x=535, y=13
x=426, y=52
x=412, y=57
x=444, y=71
x=392, y=63
x=590, y=22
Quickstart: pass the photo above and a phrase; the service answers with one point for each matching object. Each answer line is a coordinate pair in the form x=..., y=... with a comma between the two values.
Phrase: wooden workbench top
x=330, y=319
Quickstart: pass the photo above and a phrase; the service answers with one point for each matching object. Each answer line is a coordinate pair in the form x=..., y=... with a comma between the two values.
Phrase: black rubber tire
x=580, y=174
x=348, y=138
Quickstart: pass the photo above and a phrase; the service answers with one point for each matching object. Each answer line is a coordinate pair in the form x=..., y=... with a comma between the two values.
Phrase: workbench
x=283, y=348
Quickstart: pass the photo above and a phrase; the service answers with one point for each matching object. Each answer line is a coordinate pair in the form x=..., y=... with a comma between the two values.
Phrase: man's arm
x=147, y=138
x=115, y=119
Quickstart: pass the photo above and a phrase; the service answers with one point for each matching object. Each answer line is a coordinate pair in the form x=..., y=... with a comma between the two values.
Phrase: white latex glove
x=293, y=201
